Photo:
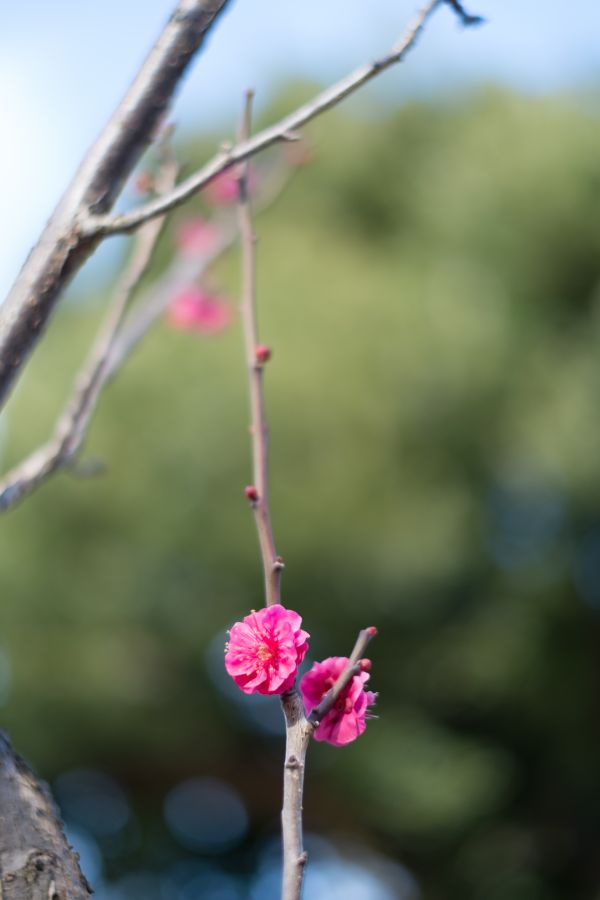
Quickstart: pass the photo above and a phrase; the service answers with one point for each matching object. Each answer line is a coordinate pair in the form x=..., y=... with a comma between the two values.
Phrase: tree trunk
x=36, y=862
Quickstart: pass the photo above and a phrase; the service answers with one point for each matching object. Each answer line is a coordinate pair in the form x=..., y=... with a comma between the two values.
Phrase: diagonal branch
x=119, y=337
x=71, y=428
x=285, y=129
x=63, y=246
x=353, y=667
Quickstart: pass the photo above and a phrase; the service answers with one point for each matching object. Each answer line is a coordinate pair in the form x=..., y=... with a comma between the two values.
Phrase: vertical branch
x=298, y=732
x=298, y=729
x=256, y=357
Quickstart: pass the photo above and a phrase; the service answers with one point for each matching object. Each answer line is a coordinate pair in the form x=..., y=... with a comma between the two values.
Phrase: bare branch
x=127, y=331
x=256, y=357
x=72, y=426
x=63, y=246
x=97, y=226
x=297, y=728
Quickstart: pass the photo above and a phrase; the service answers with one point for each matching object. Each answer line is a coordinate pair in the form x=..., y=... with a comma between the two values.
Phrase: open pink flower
x=196, y=310
x=347, y=719
x=224, y=189
x=264, y=651
x=196, y=237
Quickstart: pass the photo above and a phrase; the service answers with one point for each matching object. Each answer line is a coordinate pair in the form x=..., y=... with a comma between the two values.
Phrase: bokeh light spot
x=93, y=800
x=206, y=815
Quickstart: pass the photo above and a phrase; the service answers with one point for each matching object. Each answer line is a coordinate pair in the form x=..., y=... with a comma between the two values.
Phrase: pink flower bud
x=263, y=354
x=251, y=493
x=371, y=630
x=365, y=665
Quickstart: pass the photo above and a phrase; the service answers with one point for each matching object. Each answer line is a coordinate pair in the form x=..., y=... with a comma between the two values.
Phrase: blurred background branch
x=71, y=428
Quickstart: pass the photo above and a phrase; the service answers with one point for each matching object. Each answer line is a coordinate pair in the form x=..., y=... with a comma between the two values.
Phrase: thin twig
x=256, y=357
x=298, y=729
x=466, y=18
x=353, y=668
x=285, y=129
x=72, y=426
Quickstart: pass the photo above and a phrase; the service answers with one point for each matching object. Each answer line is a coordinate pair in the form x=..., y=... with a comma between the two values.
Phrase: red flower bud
x=251, y=493
x=365, y=665
x=263, y=354
x=371, y=631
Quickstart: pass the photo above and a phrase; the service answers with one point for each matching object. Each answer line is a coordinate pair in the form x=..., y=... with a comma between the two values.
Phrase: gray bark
x=36, y=862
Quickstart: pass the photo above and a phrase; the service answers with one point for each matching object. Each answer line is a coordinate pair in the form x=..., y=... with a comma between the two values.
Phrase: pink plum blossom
x=347, y=719
x=224, y=189
x=196, y=237
x=265, y=649
x=196, y=310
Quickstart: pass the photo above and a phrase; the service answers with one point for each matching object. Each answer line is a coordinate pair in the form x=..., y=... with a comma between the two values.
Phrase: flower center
x=264, y=652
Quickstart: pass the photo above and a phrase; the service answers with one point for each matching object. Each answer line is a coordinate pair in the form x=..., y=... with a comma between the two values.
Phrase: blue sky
x=64, y=65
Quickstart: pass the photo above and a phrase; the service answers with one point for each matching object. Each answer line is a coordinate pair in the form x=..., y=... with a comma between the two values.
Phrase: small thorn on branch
x=279, y=564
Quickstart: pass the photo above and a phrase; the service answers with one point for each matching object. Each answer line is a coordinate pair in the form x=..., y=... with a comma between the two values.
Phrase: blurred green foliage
x=430, y=285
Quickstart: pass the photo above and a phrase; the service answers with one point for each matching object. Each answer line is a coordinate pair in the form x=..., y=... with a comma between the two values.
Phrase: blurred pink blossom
x=347, y=719
x=196, y=237
x=224, y=189
x=265, y=649
x=196, y=310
